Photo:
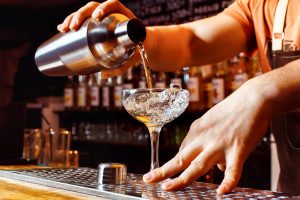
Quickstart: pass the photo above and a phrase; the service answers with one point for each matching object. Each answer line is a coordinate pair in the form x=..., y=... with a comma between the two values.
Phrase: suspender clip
x=278, y=36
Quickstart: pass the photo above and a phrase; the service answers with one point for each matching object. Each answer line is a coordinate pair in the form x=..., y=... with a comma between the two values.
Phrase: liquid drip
x=146, y=66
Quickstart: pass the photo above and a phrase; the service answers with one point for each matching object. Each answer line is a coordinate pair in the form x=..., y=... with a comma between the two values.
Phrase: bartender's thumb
x=231, y=178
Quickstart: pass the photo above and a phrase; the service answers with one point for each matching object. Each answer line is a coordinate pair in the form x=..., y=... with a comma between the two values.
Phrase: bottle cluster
x=91, y=92
x=208, y=84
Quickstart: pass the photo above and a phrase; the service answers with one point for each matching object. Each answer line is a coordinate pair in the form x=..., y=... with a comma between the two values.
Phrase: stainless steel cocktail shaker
x=97, y=45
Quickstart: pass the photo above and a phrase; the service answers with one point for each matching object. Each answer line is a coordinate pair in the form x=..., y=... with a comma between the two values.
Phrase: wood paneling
x=19, y=190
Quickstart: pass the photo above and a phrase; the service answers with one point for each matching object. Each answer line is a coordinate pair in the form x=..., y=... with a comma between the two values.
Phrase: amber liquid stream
x=147, y=69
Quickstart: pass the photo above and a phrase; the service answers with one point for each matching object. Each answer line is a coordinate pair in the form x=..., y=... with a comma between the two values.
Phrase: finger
x=82, y=14
x=198, y=167
x=194, y=128
x=109, y=7
x=64, y=27
x=177, y=164
x=232, y=175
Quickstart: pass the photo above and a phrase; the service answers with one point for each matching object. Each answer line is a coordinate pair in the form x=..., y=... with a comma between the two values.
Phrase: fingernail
x=147, y=177
x=166, y=185
x=61, y=29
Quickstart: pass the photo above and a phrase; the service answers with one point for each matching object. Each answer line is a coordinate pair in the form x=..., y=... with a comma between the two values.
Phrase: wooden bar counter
x=19, y=190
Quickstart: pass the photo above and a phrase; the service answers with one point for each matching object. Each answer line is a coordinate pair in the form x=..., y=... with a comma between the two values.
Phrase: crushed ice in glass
x=159, y=107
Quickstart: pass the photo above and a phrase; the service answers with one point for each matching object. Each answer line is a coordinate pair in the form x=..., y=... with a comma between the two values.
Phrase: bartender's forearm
x=201, y=42
x=279, y=89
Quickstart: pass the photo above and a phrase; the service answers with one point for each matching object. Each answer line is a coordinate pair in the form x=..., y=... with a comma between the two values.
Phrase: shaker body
x=94, y=47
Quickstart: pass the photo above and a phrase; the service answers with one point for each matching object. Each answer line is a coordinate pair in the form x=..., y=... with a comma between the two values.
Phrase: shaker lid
x=136, y=30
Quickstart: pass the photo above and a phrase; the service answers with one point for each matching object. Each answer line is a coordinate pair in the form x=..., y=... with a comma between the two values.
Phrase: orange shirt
x=256, y=18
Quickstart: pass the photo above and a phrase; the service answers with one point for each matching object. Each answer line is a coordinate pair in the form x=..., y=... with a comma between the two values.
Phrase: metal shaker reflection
x=95, y=46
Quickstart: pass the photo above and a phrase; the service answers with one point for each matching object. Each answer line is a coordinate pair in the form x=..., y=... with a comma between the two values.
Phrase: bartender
x=228, y=132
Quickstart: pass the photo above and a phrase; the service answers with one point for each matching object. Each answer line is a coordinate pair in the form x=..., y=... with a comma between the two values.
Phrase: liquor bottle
x=177, y=78
x=218, y=82
x=82, y=93
x=69, y=94
x=128, y=81
x=88, y=92
x=255, y=66
x=194, y=87
x=94, y=92
x=106, y=94
x=160, y=80
x=100, y=82
x=241, y=75
x=207, y=85
x=232, y=70
x=117, y=93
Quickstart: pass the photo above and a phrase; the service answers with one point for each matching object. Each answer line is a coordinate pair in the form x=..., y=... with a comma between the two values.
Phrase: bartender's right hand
x=99, y=11
x=95, y=10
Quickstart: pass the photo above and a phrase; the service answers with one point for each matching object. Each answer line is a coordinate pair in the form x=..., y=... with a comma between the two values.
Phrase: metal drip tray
x=85, y=180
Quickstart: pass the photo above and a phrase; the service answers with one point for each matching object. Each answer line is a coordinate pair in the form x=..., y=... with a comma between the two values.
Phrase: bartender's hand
x=95, y=10
x=224, y=136
x=99, y=11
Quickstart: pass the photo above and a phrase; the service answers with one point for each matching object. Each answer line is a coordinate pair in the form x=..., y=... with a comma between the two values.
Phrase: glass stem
x=154, y=137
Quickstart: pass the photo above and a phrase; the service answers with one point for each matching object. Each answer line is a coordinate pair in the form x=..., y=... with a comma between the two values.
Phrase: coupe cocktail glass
x=155, y=107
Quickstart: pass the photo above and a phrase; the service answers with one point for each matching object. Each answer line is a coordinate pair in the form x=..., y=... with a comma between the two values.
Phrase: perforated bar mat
x=84, y=180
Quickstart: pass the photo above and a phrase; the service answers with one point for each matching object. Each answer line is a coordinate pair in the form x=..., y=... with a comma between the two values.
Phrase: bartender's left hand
x=224, y=136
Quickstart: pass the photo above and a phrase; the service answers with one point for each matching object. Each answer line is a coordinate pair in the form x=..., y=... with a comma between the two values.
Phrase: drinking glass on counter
x=155, y=107
x=31, y=145
x=59, y=148
x=73, y=158
x=44, y=148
